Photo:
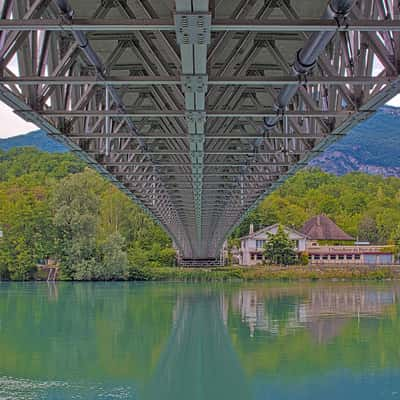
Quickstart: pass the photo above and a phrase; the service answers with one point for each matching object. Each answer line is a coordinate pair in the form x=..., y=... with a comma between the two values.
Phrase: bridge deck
x=197, y=109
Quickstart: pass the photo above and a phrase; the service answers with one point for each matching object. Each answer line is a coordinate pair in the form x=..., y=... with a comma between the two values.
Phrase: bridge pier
x=201, y=262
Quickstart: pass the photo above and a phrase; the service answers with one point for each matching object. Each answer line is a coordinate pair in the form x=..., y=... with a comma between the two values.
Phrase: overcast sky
x=12, y=125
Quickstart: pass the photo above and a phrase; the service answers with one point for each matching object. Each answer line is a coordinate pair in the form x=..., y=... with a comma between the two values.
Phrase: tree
x=76, y=206
x=279, y=249
x=368, y=230
x=347, y=199
x=51, y=206
x=395, y=238
x=115, y=259
x=26, y=221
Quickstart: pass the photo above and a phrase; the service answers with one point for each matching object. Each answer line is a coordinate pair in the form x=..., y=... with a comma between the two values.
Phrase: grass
x=266, y=273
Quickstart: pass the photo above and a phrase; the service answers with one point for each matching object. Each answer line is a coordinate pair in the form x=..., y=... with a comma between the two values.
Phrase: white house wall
x=249, y=243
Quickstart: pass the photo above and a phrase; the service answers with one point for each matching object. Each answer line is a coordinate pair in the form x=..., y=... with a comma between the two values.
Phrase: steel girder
x=167, y=99
x=225, y=25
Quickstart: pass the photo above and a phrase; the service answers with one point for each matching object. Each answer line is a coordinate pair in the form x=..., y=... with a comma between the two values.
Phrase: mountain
x=37, y=139
x=372, y=147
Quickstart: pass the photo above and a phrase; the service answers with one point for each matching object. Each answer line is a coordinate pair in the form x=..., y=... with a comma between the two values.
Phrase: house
x=323, y=241
x=329, y=244
x=252, y=245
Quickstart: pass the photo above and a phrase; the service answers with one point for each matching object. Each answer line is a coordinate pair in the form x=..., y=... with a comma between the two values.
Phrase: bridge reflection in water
x=131, y=341
x=199, y=361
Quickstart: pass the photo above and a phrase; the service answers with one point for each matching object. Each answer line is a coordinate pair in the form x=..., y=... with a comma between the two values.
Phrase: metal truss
x=197, y=110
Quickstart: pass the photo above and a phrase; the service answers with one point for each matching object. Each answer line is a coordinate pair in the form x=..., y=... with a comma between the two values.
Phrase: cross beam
x=218, y=25
x=145, y=81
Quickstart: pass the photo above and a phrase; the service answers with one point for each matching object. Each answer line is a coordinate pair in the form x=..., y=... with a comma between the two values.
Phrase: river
x=189, y=341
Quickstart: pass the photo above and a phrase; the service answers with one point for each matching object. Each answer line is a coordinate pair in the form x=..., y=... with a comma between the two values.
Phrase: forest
x=53, y=206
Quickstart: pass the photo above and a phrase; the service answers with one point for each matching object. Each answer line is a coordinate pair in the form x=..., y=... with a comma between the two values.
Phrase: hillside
x=37, y=139
x=371, y=147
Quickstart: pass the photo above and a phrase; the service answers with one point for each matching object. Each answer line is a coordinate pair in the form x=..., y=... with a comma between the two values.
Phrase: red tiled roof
x=323, y=228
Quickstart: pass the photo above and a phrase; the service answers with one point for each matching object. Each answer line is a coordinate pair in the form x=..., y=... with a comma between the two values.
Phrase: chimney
x=251, y=230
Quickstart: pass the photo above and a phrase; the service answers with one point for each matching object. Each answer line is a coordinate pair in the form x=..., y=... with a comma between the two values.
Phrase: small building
x=252, y=245
x=364, y=255
x=329, y=244
x=323, y=241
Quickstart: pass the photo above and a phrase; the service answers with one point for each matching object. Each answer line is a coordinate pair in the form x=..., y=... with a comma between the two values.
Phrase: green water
x=180, y=341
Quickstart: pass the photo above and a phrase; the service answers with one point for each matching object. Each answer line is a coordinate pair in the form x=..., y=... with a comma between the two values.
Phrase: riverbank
x=291, y=273
x=258, y=273
x=265, y=273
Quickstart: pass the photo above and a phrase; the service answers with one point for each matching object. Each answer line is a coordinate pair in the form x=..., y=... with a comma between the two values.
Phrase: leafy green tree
x=75, y=203
x=137, y=257
x=279, y=249
x=395, y=238
x=87, y=269
x=168, y=256
x=29, y=161
x=367, y=230
x=115, y=258
x=26, y=224
x=50, y=206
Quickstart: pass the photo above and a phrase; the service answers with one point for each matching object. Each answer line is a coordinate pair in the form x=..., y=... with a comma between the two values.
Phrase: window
x=260, y=244
x=333, y=257
x=370, y=258
x=316, y=257
x=259, y=257
x=252, y=256
x=385, y=259
x=324, y=257
x=341, y=257
x=357, y=257
x=310, y=257
x=349, y=257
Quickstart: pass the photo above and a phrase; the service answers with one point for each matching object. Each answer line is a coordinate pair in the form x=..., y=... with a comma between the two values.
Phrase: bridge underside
x=198, y=109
